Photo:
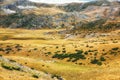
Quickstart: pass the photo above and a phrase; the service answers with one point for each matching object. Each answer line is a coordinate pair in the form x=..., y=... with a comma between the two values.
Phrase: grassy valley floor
x=73, y=58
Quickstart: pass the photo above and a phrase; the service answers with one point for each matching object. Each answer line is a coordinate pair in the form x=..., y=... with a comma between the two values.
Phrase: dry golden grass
x=43, y=11
x=31, y=39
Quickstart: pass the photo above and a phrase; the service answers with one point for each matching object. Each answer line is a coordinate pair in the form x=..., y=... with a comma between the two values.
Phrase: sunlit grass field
x=36, y=44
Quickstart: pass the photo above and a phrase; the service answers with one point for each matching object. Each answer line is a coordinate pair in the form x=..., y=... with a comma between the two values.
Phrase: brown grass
x=31, y=39
x=43, y=11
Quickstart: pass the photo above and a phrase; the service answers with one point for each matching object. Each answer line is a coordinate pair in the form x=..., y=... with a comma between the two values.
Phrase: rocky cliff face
x=90, y=15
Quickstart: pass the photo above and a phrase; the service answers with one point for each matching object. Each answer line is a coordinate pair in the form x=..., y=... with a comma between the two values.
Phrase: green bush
x=94, y=61
x=86, y=53
x=116, y=48
x=6, y=66
x=90, y=50
x=56, y=76
x=113, y=53
x=79, y=51
x=8, y=49
x=35, y=76
x=99, y=63
x=102, y=58
x=10, y=67
x=49, y=53
x=35, y=49
x=12, y=60
x=76, y=56
x=16, y=68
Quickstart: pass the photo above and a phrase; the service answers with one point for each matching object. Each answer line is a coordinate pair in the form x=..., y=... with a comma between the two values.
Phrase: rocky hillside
x=30, y=15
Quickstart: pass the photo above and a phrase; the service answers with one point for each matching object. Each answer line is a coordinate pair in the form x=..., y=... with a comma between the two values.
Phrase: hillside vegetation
x=91, y=15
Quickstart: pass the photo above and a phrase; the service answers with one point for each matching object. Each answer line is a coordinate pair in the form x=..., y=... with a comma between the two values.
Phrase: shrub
x=12, y=60
x=115, y=41
x=75, y=59
x=16, y=68
x=90, y=46
x=90, y=51
x=35, y=49
x=94, y=61
x=56, y=76
x=87, y=45
x=116, y=48
x=57, y=47
x=99, y=63
x=1, y=49
x=68, y=60
x=18, y=46
x=63, y=48
x=76, y=56
x=7, y=52
x=80, y=63
x=19, y=49
x=102, y=58
x=86, y=53
x=103, y=50
x=0, y=55
x=8, y=49
x=48, y=53
x=79, y=51
x=64, y=51
x=6, y=66
x=5, y=38
x=95, y=53
x=114, y=53
x=10, y=67
x=35, y=76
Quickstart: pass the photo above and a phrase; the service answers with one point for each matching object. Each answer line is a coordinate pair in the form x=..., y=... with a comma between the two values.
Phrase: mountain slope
x=73, y=15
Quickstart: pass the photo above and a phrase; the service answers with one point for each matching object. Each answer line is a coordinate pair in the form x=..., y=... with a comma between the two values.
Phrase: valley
x=70, y=41
x=50, y=53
